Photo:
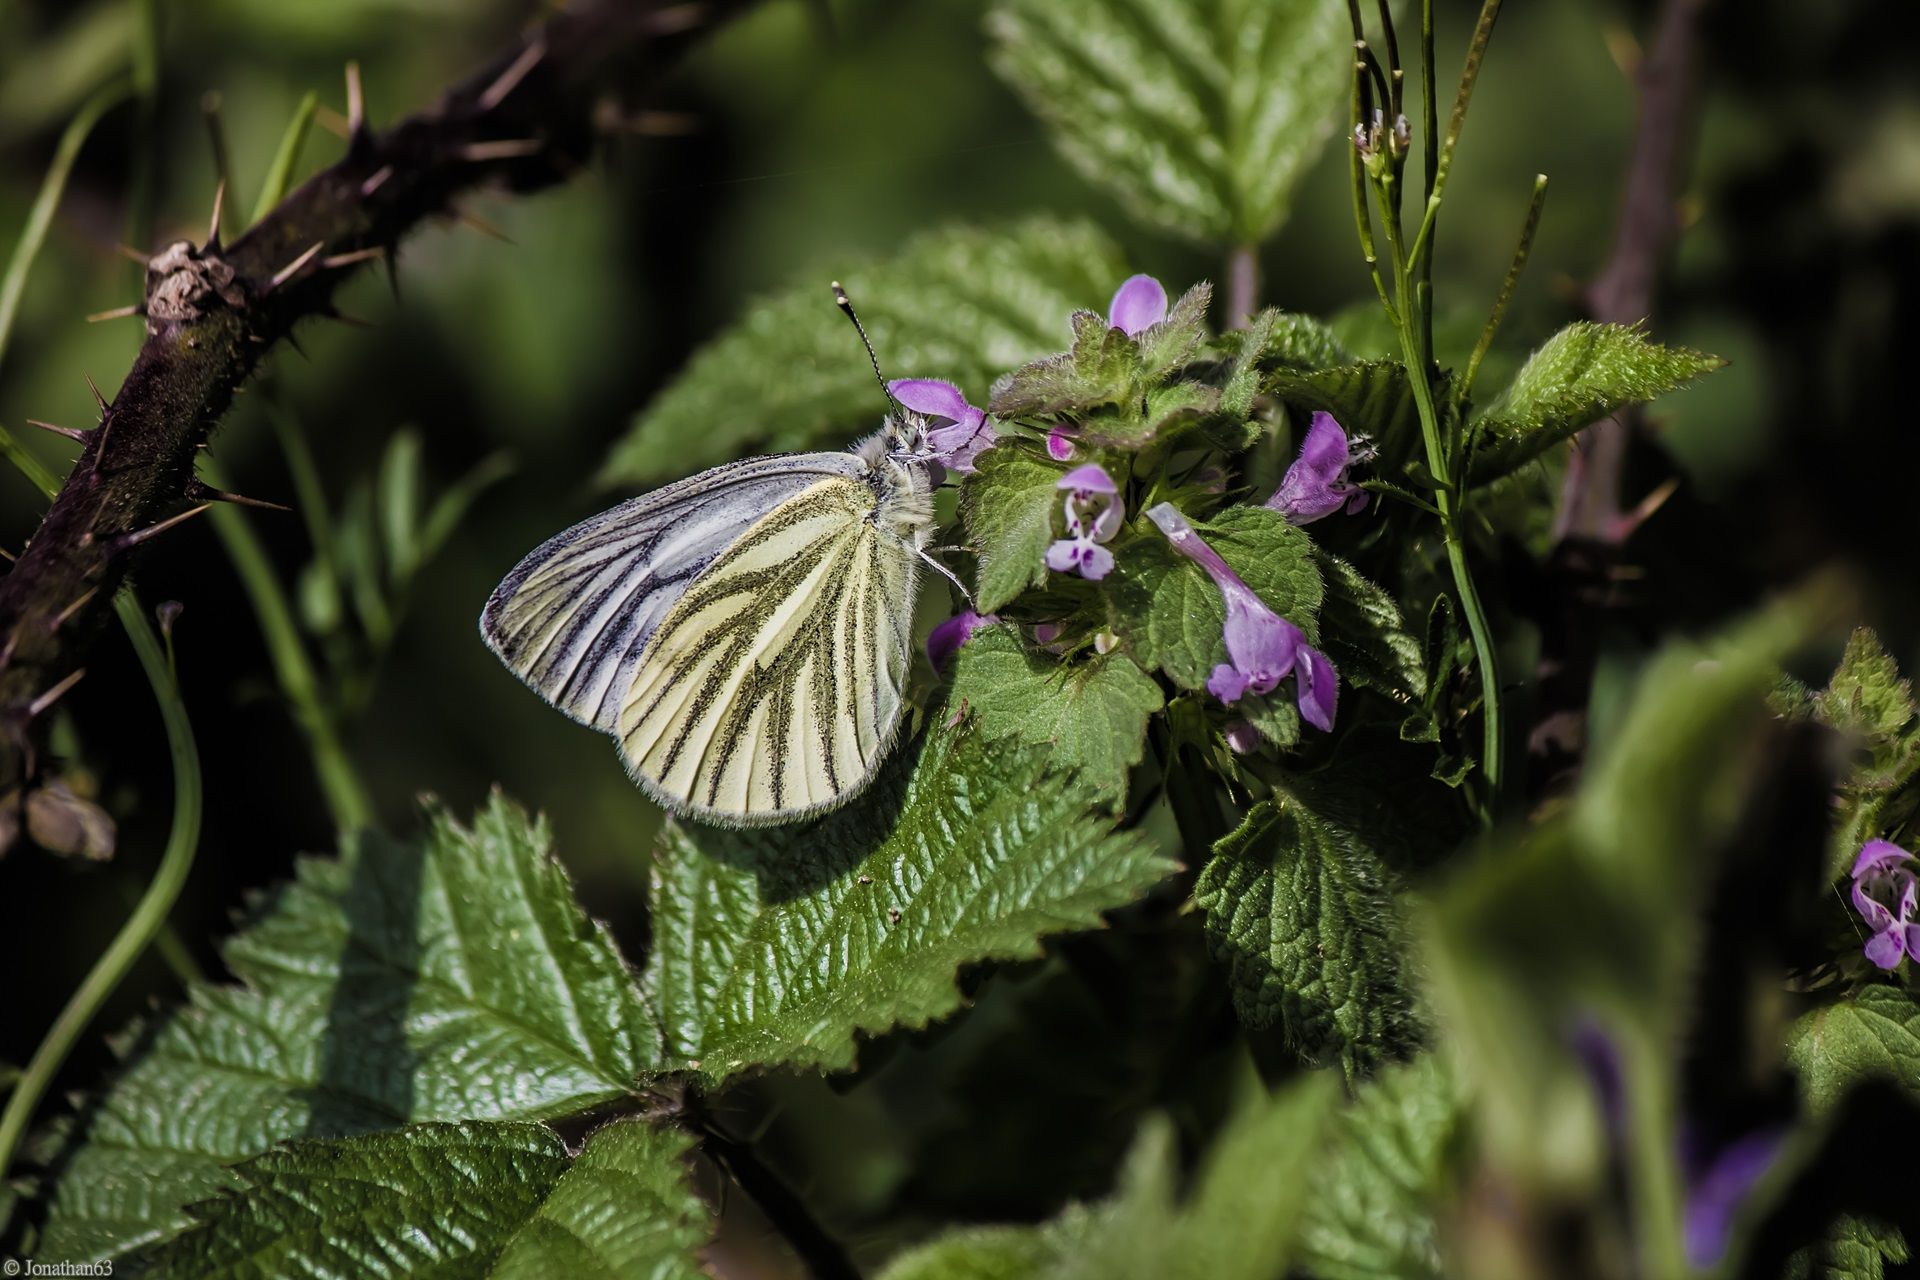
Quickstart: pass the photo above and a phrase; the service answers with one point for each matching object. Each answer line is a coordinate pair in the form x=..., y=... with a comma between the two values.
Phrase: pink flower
x=957, y=432
x=1094, y=512
x=944, y=641
x=1138, y=304
x=1316, y=484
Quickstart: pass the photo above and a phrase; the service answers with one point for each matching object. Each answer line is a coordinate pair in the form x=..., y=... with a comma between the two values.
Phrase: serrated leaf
x=452, y=978
x=1092, y=712
x=1872, y=1034
x=780, y=946
x=1375, y=1207
x=1170, y=613
x=1101, y=367
x=1872, y=707
x=1299, y=906
x=1854, y=1249
x=961, y=304
x=1198, y=115
x=1362, y=630
x=1239, y=1220
x=488, y=1201
x=1582, y=374
x=1866, y=695
x=1007, y=506
x=1371, y=398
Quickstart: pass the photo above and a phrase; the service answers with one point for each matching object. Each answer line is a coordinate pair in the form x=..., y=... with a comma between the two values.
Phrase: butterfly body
x=744, y=634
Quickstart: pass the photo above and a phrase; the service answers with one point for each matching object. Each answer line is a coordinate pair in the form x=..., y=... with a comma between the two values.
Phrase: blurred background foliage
x=803, y=137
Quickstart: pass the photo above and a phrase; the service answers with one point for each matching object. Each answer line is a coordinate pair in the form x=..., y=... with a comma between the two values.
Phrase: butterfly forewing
x=773, y=686
x=574, y=617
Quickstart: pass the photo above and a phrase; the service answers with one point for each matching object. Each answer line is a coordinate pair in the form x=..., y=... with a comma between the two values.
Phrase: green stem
x=1656, y=1197
x=346, y=795
x=1521, y=251
x=285, y=156
x=151, y=912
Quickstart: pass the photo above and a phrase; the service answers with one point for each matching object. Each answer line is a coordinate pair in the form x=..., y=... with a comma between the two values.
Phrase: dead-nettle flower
x=944, y=641
x=957, y=433
x=1885, y=893
x=1263, y=647
x=1094, y=512
x=1059, y=445
x=1138, y=304
x=1316, y=486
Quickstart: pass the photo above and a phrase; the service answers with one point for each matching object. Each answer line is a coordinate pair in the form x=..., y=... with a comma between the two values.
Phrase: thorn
x=71, y=433
x=60, y=620
x=378, y=180
x=339, y=260
x=393, y=276
x=97, y=397
x=330, y=120
x=292, y=269
x=1625, y=526
x=475, y=222
x=298, y=350
x=200, y=491
x=650, y=124
x=529, y=58
x=335, y=313
x=213, y=223
x=39, y=705
x=138, y=536
x=129, y=252
x=356, y=102
x=118, y=313
x=676, y=18
x=7, y=555
x=504, y=149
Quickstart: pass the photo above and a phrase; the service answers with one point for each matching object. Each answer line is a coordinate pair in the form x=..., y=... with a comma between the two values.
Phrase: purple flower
x=1059, y=445
x=1885, y=890
x=957, y=433
x=1242, y=737
x=1316, y=484
x=1139, y=303
x=945, y=640
x=1717, y=1188
x=1094, y=512
x=1263, y=647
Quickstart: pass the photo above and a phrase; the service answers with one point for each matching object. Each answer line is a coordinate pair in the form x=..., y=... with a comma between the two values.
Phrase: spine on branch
x=524, y=122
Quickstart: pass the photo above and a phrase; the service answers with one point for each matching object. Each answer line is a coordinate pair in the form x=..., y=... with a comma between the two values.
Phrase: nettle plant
x=1225, y=686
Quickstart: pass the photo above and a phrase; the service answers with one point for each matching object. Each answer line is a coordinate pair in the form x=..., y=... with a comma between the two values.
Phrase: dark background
x=809, y=140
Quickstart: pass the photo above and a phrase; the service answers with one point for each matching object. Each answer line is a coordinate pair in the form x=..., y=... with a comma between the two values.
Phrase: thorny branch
x=1591, y=526
x=524, y=122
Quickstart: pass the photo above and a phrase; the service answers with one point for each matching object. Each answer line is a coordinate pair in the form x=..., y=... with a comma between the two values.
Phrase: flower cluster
x=1094, y=512
x=1263, y=648
x=1316, y=485
x=1886, y=891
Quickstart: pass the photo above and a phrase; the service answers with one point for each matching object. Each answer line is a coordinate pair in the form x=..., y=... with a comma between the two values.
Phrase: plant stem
x=1521, y=251
x=824, y=1257
x=346, y=795
x=150, y=913
x=1243, y=285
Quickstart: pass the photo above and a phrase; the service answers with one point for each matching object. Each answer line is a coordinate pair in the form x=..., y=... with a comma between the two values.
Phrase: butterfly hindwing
x=774, y=685
x=575, y=615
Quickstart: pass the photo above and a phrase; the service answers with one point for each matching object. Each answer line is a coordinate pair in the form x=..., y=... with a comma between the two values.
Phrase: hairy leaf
x=1102, y=367
x=1008, y=509
x=498, y=1201
x=1870, y=705
x=779, y=946
x=1362, y=630
x=1580, y=375
x=449, y=979
x=1170, y=613
x=1374, y=1210
x=1872, y=1034
x=1238, y=1221
x=1854, y=1249
x=1299, y=905
x=959, y=304
x=1091, y=712
x=1371, y=398
x=1198, y=115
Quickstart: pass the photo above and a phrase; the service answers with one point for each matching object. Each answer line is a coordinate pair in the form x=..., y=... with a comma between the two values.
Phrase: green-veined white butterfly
x=744, y=634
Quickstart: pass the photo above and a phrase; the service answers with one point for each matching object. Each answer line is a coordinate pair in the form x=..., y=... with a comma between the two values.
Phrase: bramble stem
x=151, y=911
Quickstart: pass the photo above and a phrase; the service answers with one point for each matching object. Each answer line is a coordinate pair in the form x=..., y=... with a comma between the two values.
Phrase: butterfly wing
x=574, y=616
x=774, y=686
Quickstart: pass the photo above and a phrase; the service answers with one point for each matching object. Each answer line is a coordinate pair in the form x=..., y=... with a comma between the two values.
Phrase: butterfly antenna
x=846, y=305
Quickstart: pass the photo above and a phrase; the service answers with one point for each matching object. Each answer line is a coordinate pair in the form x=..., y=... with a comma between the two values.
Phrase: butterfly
x=744, y=634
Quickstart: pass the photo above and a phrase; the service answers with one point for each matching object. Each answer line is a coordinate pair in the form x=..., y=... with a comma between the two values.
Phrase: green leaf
x=1362, y=630
x=779, y=946
x=1299, y=906
x=1854, y=1249
x=1197, y=115
x=1007, y=506
x=1091, y=712
x=1102, y=367
x=480, y=1200
x=1375, y=1206
x=1869, y=704
x=1372, y=398
x=452, y=978
x=1170, y=613
x=960, y=304
x=1872, y=1034
x=1582, y=374
x=1239, y=1220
